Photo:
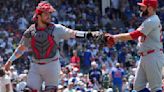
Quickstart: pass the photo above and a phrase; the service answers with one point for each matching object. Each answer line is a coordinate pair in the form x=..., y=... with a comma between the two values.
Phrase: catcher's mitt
x=101, y=38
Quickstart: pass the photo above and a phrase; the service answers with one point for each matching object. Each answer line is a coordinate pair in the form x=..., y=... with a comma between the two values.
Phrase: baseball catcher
x=43, y=38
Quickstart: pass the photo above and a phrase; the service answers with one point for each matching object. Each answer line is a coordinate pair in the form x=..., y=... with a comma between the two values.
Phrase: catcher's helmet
x=43, y=6
x=152, y=3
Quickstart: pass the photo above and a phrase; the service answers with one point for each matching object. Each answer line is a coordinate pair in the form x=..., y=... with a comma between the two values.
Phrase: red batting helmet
x=43, y=6
x=152, y=3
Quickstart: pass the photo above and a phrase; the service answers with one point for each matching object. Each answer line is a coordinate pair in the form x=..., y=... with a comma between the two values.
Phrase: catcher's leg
x=34, y=80
x=27, y=89
x=51, y=74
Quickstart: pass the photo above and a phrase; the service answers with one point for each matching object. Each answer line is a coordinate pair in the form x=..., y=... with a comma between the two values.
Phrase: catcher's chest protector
x=43, y=43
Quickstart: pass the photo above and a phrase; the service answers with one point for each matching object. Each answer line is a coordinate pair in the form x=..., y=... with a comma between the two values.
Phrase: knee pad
x=144, y=90
x=50, y=89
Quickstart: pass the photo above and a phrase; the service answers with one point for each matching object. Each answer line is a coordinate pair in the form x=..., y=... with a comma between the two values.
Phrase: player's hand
x=110, y=40
x=7, y=65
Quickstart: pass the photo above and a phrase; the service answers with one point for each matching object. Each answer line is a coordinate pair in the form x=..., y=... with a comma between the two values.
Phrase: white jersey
x=3, y=82
x=152, y=40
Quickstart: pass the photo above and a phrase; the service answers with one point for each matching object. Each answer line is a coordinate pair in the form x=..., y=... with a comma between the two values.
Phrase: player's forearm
x=83, y=34
x=122, y=37
x=17, y=53
x=75, y=34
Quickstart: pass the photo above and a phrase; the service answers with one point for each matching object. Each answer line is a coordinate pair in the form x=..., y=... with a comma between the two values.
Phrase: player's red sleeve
x=135, y=34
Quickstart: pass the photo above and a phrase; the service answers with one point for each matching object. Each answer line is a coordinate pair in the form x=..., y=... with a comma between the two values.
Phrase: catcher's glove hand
x=104, y=39
x=101, y=38
x=92, y=35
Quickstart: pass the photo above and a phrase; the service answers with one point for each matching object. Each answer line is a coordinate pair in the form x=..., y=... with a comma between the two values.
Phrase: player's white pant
x=150, y=70
x=50, y=73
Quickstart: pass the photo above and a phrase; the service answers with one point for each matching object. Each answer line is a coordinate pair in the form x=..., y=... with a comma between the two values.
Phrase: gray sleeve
x=146, y=27
x=25, y=40
x=62, y=32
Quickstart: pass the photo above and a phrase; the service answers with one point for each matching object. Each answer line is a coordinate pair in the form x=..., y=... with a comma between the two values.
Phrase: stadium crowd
x=86, y=66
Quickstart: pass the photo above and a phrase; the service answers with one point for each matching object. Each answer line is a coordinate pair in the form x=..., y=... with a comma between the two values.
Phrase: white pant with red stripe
x=150, y=71
x=49, y=73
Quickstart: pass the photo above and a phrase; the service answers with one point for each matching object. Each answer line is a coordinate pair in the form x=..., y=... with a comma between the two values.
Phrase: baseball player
x=43, y=38
x=150, y=46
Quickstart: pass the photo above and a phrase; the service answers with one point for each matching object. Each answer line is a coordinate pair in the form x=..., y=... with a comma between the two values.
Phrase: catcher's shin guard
x=50, y=89
x=144, y=90
x=29, y=90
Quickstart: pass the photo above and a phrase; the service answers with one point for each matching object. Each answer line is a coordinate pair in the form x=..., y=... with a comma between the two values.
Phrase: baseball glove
x=101, y=38
x=106, y=39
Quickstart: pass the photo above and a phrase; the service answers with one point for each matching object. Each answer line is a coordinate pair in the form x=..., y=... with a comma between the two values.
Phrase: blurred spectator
x=71, y=44
x=21, y=83
x=95, y=75
x=13, y=73
x=22, y=24
x=5, y=82
x=130, y=82
x=115, y=8
x=14, y=86
x=75, y=60
x=70, y=87
x=104, y=69
x=106, y=81
x=60, y=88
x=125, y=86
x=117, y=77
x=113, y=59
x=1, y=61
x=162, y=82
x=87, y=60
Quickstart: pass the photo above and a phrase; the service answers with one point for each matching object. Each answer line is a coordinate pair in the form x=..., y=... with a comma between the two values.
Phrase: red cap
x=152, y=3
x=43, y=6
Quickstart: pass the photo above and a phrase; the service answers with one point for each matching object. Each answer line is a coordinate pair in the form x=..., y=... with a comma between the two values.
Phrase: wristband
x=12, y=58
x=80, y=34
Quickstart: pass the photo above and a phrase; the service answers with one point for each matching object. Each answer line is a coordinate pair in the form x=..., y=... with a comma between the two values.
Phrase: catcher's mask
x=43, y=6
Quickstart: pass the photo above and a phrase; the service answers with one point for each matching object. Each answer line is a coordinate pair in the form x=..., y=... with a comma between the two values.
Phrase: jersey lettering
x=117, y=74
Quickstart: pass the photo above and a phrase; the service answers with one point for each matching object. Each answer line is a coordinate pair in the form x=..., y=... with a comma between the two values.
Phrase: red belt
x=43, y=63
x=148, y=52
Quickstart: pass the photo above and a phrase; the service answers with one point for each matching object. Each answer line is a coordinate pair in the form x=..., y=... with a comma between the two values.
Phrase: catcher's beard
x=144, y=13
x=45, y=22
